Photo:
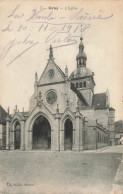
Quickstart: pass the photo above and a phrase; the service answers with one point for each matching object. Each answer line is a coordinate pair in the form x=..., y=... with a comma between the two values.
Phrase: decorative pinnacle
x=36, y=77
x=78, y=103
x=16, y=108
x=77, y=108
x=8, y=110
x=23, y=111
x=81, y=34
x=66, y=71
x=51, y=52
x=67, y=102
x=57, y=109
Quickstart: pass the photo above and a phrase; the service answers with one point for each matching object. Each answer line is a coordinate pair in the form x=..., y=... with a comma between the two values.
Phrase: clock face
x=51, y=97
x=51, y=73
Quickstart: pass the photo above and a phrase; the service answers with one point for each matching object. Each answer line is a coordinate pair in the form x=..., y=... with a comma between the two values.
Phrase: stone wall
x=91, y=138
x=102, y=116
x=102, y=138
x=2, y=136
x=63, y=92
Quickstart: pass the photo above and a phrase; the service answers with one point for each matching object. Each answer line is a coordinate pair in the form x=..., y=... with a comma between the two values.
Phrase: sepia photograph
x=61, y=97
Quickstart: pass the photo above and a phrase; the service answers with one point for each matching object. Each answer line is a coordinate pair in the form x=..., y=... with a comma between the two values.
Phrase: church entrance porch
x=68, y=134
x=17, y=135
x=41, y=134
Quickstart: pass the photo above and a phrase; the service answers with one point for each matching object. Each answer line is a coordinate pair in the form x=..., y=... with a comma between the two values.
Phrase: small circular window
x=51, y=97
x=51, y=73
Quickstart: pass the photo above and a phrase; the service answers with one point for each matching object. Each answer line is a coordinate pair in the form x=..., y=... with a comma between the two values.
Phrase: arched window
x=84, y=83
x=76, y=85
x=80, y=84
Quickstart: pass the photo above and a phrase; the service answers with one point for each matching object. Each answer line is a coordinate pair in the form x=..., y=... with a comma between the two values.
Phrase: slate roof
x=119, y=126
x=3, y=115
x=80, y=96
x=99, y=101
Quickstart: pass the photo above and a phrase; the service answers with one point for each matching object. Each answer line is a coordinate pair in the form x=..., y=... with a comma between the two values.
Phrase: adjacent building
x=118, y=132
x=3, y=115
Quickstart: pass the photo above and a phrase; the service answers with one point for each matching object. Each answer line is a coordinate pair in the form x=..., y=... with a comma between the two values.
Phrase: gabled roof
x=57, y=67
x=99, y=101
x=3, y=115
x=80, y=96
x=26, y=113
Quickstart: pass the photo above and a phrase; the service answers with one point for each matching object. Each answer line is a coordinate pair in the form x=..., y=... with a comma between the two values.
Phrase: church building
x=64, y=112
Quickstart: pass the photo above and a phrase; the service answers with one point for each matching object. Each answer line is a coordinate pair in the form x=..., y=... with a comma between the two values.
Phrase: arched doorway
x=68, y=134
x=41, y=133
x=17, y=135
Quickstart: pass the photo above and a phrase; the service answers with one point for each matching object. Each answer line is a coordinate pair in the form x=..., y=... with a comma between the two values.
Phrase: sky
x=27, y=30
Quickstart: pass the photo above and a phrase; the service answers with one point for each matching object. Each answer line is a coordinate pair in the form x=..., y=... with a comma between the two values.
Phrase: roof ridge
x=59, y=68
x=100, y=93
x=79, y=94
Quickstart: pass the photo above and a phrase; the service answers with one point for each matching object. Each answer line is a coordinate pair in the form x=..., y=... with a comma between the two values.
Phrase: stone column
x=22, y=133
x=57, y=131
x=81, y=134
x=52, y=140
x=76, y=146
x=29, y=140
x=61, y=139
x=74, y=132
x=8, y=133
x=86, y=133
x=12, y=139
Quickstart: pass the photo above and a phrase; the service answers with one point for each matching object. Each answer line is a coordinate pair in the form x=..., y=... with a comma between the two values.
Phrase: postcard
x=61, y=96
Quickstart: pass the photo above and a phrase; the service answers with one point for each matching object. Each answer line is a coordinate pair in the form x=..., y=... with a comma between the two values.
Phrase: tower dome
x=81, y=72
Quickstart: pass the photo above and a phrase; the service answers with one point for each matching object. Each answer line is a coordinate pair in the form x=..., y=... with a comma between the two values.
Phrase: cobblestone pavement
x=47, y=172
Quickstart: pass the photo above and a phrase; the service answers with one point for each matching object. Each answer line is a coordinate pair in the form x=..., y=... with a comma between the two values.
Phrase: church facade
x=64, y=112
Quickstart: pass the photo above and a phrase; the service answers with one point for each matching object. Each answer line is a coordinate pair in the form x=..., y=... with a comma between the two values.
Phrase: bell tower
x=83, y=77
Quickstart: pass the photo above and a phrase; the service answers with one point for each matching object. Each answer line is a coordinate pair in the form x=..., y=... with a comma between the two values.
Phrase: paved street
x=55, y=172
